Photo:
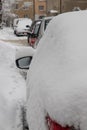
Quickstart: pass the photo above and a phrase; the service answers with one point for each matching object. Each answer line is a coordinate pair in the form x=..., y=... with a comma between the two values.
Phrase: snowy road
x=7, y=35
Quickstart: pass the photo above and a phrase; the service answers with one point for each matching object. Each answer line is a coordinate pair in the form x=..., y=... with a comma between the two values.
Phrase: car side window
x=46, y=23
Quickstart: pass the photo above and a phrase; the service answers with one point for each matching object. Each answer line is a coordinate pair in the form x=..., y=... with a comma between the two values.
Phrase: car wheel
x=14, y=32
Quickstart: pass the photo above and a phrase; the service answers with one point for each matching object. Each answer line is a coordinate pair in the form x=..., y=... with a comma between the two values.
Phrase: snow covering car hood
x=12, y=89
x=22, y=24
x=57, y=79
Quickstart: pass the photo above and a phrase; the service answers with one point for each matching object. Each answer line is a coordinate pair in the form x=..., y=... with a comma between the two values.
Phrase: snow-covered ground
x=8, y=34
x=12, y=84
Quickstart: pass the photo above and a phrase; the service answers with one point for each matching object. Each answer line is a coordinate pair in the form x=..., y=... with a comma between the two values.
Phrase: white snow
x=53, y=11
x=21, y=26
x=22, y=23
x=8, y=34
x=24, y=52
x=57, y=79
x=12, y=86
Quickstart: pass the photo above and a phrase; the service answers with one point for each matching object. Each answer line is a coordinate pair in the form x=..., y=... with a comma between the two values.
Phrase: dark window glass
x=36, y=29
x=41, y=7
x=46, y=23
x=16, y=6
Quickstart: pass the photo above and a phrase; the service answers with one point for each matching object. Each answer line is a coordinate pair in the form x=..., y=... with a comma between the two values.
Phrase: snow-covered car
x=15, y=22
x=12, y=90
x=22, y=27
x=57, y=78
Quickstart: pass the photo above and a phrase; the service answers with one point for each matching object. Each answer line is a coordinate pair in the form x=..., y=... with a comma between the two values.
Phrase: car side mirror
x=24, y=62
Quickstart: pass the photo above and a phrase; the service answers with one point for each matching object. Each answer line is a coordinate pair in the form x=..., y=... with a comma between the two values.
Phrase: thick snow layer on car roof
x=57, y=79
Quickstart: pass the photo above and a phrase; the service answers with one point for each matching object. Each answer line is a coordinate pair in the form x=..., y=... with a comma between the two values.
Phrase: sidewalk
x=18, y=42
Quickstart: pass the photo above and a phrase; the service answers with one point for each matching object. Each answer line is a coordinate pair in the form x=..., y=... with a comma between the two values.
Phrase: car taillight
x=52, y=125
x=32, y=41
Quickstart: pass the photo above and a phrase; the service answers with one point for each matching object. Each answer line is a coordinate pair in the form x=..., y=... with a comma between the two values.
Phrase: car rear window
x=36, y=29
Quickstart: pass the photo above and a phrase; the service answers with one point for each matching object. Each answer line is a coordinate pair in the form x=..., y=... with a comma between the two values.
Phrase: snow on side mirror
x=23, y=57
x=23, y=62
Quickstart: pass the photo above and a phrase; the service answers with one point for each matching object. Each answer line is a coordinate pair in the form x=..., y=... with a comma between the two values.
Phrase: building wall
x=65, y=5
x=40, y=8
x=21, y=11
x=43, y=7
x=53, y=5
x=69, y=5
x=37, y=9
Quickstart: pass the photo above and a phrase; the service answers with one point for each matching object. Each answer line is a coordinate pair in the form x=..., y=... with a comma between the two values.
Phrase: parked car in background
x=15, y=22
x=33, y=32
x=22, y=26
x=57, y=78
x=37, y=30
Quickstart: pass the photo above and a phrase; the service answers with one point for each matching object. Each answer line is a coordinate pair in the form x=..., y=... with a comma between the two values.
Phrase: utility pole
x=33, y=9
x=60, y=6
